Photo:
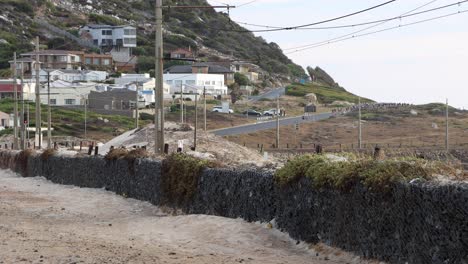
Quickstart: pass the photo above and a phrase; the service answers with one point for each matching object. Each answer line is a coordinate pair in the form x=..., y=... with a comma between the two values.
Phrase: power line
x=382, y=30
x=363, y=23
x=358, y=31
x=315, y=23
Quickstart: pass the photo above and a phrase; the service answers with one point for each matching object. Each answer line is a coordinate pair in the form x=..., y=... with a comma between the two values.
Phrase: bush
x=48, y=153
x=181, y=174
x=377, y=175
x=115, y=154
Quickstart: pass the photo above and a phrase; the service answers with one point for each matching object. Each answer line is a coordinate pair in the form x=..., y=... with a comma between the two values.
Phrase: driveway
x=272, y=94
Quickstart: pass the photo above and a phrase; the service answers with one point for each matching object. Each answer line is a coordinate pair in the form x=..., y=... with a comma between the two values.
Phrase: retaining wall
x=413, y=223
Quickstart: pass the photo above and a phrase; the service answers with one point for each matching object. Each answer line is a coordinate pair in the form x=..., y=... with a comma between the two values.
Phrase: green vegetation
x=325, y=94
x=377, y=175
x=241, y=79
x=437, y=109
x=181, y=176
x=319, y=75
x=70, y=122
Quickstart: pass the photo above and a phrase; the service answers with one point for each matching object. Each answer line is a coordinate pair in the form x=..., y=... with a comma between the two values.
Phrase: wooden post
x=96, y=150
x=90, y=150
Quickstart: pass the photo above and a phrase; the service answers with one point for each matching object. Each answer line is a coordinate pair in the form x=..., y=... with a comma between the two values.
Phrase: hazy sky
x=422, y=63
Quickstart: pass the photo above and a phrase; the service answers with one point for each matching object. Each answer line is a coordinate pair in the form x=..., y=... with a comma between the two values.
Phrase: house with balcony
x=118, y=40
x=212, y=84
x=71, y=75
x=61, y=60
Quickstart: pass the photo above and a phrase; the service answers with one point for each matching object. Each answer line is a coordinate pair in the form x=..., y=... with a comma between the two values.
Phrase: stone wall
x=414, y=223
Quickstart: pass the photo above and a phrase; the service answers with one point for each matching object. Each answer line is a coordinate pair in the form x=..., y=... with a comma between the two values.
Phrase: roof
x=96, y=26
x=9, y=88
x=96, y=55
x=22, y=60
x=188, y=68
x=54, y=52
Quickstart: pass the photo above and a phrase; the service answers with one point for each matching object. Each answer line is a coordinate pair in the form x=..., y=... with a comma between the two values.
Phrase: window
x=130, y=41
x=107, y=32
x=178, y=82
x=213, y=82
x=200, y=70
x=88, y=61
x=169, y=82
x=63, y=58
x=207, y=82
x=119, y=42
x=190, y=82
x=53, y=101
x=106, y=61
x=200, y=83
x=70, y=101
x=130, y=32
x=96, y=42
x=96, y=61
x=72, y=59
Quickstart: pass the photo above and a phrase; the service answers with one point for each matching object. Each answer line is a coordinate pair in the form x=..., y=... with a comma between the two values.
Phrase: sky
x=418, y=64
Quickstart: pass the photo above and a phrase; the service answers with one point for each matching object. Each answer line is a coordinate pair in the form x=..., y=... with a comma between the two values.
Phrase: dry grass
x=116, y=154
x=48, y=153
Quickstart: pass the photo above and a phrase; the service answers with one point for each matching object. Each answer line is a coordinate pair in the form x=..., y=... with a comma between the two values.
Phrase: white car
x=271, y=112
x=219, y=109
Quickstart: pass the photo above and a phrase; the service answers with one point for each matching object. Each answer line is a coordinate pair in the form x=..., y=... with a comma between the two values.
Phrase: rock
x=435, y=126
x=413, y=112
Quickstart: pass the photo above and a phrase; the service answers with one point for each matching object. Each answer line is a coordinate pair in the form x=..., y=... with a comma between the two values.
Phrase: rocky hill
x=211, y=34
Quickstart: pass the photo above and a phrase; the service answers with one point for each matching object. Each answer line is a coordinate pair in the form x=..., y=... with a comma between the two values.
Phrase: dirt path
x=41, y=222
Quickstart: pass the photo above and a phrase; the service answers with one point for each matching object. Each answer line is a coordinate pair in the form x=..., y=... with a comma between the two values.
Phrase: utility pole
x=181, y=105
x=136, y=107
x=159, y=103
x=447, y=147
x=196, y=123
x=15, y=110
x=277, y=122
x=38, y=98
x=85, y=117
x=23, y=127
x=359, y=125
x=204, y=108
x=49, y=114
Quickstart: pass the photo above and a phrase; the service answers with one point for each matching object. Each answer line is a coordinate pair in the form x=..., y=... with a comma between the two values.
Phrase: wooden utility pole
x=181, y=105
x=137, y=114
x=196, y=123
x=277, y=123
x=204, y=108
x=49, y=114
x=359, y=125
x=85, y=117
x=15, y=110
x=159, y=102
x=38, y=98
x=447, y=147
x=23, y=125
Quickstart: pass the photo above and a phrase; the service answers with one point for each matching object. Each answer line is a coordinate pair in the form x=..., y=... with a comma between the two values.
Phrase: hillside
x=206, y=31
x=325, y=94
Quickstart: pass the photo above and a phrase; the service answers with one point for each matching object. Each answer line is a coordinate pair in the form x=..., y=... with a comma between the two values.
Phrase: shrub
x=22, y=161
x=115, y=154
x=48, y=153
x=180, y=177
x=377, y=175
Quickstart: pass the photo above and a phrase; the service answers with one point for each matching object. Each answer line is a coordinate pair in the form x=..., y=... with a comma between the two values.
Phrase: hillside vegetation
x=325, y=94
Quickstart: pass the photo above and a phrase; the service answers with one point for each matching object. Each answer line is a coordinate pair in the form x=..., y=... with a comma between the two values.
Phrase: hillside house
x=72, y=75
x=182, y=54
x=248, y=69
x=64, y=93
x=118, y=40
x=195, y=83
x=62, y=60
x=203, y=68
x=4, y=120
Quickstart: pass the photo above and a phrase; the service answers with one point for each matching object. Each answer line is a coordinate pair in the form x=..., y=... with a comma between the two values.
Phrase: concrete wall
x=413, y=223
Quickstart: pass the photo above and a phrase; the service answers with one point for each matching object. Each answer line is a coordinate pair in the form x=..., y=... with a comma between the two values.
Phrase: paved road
x=245, y=129
x=273, y=94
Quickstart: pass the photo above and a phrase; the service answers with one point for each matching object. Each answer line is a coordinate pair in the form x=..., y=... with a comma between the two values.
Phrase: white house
x=145, y=83
x=64, y=93
x=72, y=75
x=196, y=82
x=119, y=40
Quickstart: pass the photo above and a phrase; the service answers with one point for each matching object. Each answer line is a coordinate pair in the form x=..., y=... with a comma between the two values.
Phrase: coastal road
x=272, y=94
x=245, y=129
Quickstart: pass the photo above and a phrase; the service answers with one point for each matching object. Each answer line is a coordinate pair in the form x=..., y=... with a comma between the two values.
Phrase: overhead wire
x=381, y=30
x=315, y=23
x=368, y=22
x=362, y=30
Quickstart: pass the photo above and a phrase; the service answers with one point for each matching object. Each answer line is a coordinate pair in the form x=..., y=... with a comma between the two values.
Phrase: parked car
x=251, y=112
x=271, y=112
x=219, y=109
